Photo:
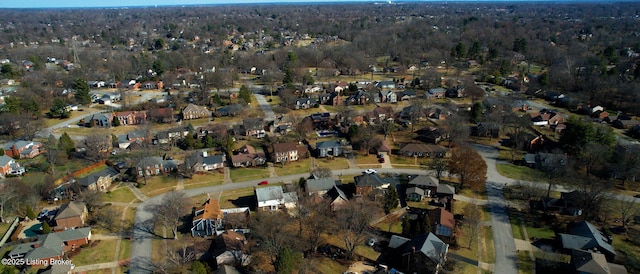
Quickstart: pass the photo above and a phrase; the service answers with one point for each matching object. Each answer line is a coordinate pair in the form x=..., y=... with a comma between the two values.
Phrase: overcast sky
x=130, y=3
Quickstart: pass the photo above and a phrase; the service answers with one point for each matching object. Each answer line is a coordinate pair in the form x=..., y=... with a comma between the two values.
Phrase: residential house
x=545, y=161
x=386, y=85
x=131, y=117
x=209, y=163
x=427, y=183
x=568, y=203
x=9, y=166
x=332, y=99
x=192, y=111
x=422, y=150
x=312, y=89
x=427, y=246
x=415, y=194
x=367, y=183
x=102, y=119
x=248, y=157
x=455, y=92
x=230, y=248
x=585, y=236
x=160, y=115
x=386, y=97
x=171, y=135
x=625, y=123
x=546, y=118
x=70, y=216
x=381, y=114
x=285, y=152
x=99, y=180
x=442, y=222
x=584, y=262
x=360, y=98
x=253, y=127
x=432, y=135
x=304, y=103
x=436, y=93
x=330, y=148
x=406, y=95
x=51, y=246
x=319, y=186
x=23, y=149
x=413, y=112
x=207, y=219
x=489, y=129
x=135, y=136
x=151, y=166
x=230, y=110
x=337, y=198
x=270, y=197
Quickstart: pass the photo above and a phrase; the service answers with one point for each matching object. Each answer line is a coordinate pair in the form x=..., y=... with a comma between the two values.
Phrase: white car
x=370, y=171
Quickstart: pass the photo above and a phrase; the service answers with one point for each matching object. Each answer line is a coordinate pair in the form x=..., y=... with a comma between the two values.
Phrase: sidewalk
x=137, y=193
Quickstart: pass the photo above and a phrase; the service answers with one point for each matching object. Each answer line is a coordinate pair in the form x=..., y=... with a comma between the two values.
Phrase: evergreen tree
x=244, y=94
x=30, y=213
x=390, y=199
x=199, y=267
x=66, y=144
x=59, y=109
x=82, y=91
x=476, y=112
x=287, y=260
x=406, y=226
x=46, y=228
x=115, y=122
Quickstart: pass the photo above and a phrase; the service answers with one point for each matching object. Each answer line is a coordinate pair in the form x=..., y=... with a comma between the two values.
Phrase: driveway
x=269, y=115
x=141, y=247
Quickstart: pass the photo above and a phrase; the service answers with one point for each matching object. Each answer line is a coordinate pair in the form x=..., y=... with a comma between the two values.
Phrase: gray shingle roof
x=93, y=177
x=314, y=185
x=269, y=193
x=71, y=209
x=424, y=181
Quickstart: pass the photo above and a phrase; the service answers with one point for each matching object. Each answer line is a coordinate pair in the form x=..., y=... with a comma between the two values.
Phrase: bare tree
x=107, y=218
x=628, y=209
x=322, y=172
x=8, y=196
x=353, y=224
x=627, y=163
x=97, y=144
x=469, y=165
x=457, y=128
x=180, y=256
x=169, y=211
x=53, y=153
x=439, y=165
x=271, y=229
x=92, y=199
x=473, y=221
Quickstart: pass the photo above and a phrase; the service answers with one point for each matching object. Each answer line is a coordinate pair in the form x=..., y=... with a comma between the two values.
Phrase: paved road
x=505, y=246
x=141, y=245
x=269, y=115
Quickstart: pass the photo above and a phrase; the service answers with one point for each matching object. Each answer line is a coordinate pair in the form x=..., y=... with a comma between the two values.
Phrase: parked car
x=380, y=160
x=263, y=183
x=43, y=213
x=371, y=242
x=370, y=171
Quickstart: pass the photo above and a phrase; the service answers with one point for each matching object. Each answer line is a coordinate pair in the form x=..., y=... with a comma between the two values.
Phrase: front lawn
x=156, y=185
x=248, y=173
x=297, y=167
x=122, y=195
x=333, y=164
x=241, y=197
x=519, y=172
x=98, y=252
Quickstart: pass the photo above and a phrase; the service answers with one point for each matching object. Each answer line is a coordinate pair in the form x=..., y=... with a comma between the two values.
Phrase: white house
x=270, y=198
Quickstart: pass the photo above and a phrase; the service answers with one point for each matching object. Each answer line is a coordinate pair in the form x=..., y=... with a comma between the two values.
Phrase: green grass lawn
x=247, y=174
x=227, y=198
x=518, y=172
x=122, y=195
x=333, y=164
x=100, y=252
x=474, y=193
x=125, y=250
x=157, y=184
x=525, y=264
x=325, y=265
x=297, y=167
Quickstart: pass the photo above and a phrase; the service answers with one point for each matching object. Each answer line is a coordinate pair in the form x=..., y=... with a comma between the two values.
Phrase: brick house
x=131, y=117
x=192, y=111
x=51, y=246
x=285, y=152
x=9, y=166
x=99, y=180
x=70, y=215
x=23, y=149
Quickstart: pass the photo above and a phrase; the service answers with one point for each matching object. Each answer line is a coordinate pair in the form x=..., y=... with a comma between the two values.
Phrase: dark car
x=380, y=160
